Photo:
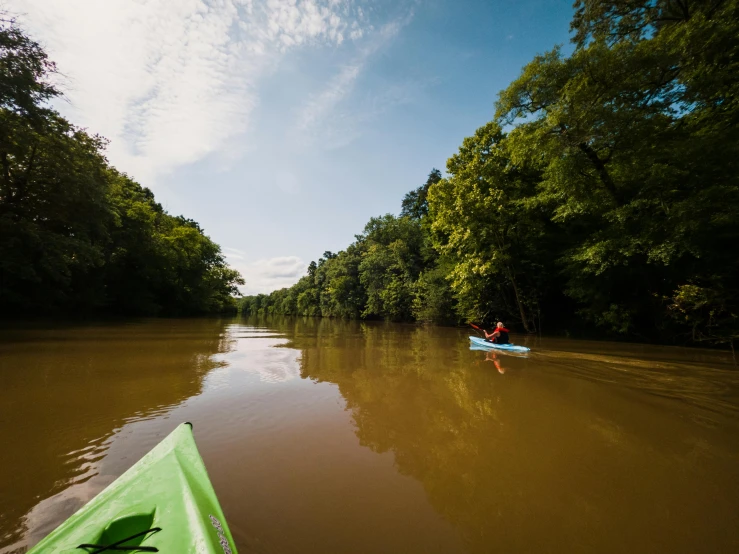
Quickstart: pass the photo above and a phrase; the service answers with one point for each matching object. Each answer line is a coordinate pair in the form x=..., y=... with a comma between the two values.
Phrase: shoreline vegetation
x=603, y=197
x=76, y=235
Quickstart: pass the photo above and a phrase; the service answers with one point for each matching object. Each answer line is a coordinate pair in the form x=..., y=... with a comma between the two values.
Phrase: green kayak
x=164, y=503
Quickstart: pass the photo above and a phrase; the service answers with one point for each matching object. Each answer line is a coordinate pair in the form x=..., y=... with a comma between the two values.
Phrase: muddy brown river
x=331, y=436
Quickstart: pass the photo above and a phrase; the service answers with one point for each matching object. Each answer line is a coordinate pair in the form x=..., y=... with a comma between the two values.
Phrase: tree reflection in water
x=538, y=461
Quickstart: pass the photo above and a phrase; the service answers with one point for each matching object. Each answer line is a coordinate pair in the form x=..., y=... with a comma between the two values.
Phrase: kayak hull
x=477, y=341
x=165, y=501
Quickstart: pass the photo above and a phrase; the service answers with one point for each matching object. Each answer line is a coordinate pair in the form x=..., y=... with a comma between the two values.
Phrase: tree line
x=76, y=235
x=604, y=194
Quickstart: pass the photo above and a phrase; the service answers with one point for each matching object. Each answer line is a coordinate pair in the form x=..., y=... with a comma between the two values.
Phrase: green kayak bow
x=164, y=503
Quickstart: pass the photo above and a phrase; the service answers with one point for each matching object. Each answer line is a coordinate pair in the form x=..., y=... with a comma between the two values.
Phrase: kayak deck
x=164, y=503
x=477, y=341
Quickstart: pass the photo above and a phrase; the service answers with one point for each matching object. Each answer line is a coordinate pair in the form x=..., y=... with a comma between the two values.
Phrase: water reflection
x=567, y=453
x=340, y=436
x=493, y=357
x=65, y=390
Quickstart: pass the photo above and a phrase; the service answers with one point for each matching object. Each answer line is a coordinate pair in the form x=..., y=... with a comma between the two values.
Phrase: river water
x=333, y=436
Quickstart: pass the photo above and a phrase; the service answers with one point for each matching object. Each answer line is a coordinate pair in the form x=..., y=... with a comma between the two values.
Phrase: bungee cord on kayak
x=119, y=545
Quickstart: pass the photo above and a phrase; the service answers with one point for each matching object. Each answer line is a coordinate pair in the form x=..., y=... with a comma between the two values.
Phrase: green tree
x=485, y=229
x=77, y=235
x=342, y=295
x=635, y=139
x=415, y=203
x=434, y=299
x=25, y=74
x=53, y=214
x=391, y=263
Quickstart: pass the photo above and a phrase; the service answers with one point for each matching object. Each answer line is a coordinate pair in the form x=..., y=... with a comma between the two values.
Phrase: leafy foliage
x=636, y=138
x=415, y=203
x=75, y=234
x=376, y=277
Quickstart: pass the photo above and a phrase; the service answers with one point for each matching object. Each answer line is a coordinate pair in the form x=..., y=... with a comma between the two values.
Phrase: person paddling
x=499, y=335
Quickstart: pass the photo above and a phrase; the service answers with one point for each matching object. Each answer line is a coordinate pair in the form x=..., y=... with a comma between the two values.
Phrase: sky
x=282, y=126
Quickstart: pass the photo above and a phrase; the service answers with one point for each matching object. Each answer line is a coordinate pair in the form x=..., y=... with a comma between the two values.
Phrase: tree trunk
x=6, y=173
x=518, y=301
x=600, y=167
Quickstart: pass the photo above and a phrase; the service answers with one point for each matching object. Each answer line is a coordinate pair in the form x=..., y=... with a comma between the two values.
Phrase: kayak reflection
x=492, y=357
x=496, y=356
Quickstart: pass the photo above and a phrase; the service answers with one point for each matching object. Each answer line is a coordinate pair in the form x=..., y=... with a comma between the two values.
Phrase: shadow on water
x=66, y=390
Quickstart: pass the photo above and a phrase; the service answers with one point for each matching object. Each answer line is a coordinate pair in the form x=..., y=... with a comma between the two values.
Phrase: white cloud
x=319, y=117
x=234, y=253
x=346, y=125
x=317, y=107
x=267, y=275
x=170, y=82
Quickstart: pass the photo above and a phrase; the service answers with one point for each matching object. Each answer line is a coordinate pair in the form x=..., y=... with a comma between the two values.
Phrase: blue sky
x=282, y=126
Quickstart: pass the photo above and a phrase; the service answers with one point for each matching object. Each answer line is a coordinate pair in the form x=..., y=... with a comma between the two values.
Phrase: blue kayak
x=477, y=341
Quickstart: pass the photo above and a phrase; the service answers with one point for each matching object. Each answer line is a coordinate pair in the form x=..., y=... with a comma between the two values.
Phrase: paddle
x=476, y=327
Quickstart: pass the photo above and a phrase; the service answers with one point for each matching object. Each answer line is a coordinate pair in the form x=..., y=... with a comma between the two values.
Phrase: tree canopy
x=76, y=235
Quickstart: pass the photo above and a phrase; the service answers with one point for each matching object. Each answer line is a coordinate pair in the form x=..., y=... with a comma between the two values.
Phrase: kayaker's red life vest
x=503, y=338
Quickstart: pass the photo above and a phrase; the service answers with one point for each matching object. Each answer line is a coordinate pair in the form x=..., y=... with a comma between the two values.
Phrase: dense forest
x=77, y=236
x=604, y=194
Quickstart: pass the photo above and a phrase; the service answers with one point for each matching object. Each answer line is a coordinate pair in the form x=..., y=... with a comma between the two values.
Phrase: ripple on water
x=713, y=391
